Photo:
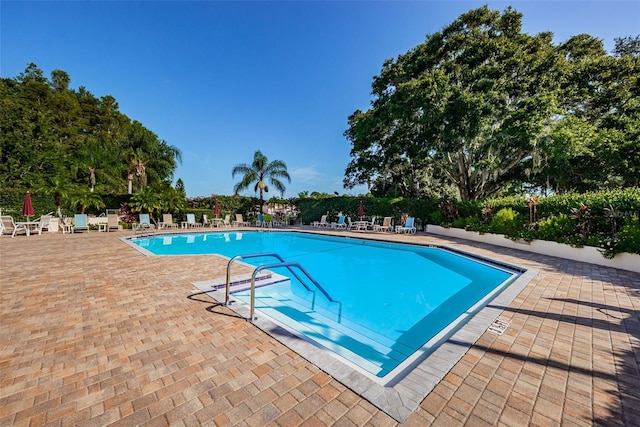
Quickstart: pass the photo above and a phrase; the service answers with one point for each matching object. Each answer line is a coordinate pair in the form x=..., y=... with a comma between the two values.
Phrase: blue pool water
x=392, y=298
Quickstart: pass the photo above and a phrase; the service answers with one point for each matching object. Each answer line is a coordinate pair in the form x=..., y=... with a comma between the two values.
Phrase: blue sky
x=220, y=80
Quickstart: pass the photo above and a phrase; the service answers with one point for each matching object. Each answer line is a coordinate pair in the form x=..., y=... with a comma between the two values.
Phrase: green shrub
x=629, y=238
x=556, y=228
x=459, y=223
x=506, y=221
x=437, y=218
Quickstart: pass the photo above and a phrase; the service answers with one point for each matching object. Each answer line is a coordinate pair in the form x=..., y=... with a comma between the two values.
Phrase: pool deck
x=93, y=333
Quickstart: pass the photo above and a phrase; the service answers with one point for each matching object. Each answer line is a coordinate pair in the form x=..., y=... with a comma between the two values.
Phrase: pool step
x=240, y=282
x=367, y=349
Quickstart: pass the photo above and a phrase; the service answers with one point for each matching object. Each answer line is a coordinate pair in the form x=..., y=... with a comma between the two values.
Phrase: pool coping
x=400, y=397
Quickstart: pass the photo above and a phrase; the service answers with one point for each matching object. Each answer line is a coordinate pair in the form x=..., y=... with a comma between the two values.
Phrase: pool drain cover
x=499, y=325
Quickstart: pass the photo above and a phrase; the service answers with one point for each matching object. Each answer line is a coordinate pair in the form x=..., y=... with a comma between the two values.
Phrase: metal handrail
x=282, y=263
x=264, y=254
x=288, y=265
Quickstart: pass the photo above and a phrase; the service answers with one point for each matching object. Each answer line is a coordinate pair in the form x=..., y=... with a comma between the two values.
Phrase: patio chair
x=408, y=227
x=113, y=222
x=372, y=224
x=67, y=225
x=167, y=221
x=262, y=222
x=43, y=223
x=80, y=222
x=322, y=223
x=191, y=221
x=206, y=221
x=277, y=220
x=10, y=227
x=240, y=222
x=386, y=225
x=226, y=222
x=340, y=224
x=144, y=223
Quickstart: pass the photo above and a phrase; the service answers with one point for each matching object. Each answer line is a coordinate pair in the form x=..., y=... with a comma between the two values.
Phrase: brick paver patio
x=96, y=333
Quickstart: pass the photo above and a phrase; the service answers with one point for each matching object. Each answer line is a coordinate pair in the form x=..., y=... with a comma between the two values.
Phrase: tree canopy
x=68, y=141
x=480, y=107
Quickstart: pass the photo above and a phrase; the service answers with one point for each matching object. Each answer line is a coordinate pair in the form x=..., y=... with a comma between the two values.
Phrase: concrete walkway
x=92, y=332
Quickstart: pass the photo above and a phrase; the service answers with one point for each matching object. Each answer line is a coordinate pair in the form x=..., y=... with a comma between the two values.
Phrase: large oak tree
x=481, y=106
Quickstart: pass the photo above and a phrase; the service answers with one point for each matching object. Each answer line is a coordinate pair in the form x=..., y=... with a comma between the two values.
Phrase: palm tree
x=148, y=198
x=61, y=189
x=259, y=171
x=86, y=199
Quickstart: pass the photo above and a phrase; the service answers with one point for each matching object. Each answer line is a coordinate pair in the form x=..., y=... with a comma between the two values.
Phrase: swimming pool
x=393, y=299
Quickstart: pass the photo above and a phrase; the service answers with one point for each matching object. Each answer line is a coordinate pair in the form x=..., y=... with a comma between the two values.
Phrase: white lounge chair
x=167, y=221
x=226, y=222
x=10, y=227
x=43, y=223
x=113, y=222
x=386, y=225
x=206, y=222
x=191, y=221
x=321, y=223
x=240, y=222
x=372, y=224
x=408, y=227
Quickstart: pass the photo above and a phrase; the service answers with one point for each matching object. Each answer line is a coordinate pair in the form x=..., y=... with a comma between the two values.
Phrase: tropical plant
x=149, y=198
x=173, y=200
x=85, y=198
x=60, y=187
x=262, y=173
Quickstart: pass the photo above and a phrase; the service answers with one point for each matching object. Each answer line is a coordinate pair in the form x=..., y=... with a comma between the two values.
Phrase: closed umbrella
x=361, y=210
x=216, y=209
x=27, y=206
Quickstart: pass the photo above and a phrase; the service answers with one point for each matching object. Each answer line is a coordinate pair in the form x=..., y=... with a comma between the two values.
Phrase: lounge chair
x=113, y=222
x=167, y=221
x=67, y=225
x=144, y=223
x=240, y=222
x=80, y=222
x=408, y=227
x=386, y=225
x=191, y=221
x=277, y=221
x=43, y=223
x=205, y=221
x=340, y=224
x=10, y=227
x=322, y=223
x=226, y=222
x=372, y=224
x=262, y=222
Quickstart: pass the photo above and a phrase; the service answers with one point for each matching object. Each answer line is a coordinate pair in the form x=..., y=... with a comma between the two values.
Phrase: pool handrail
x=282, y=263
x=288, y=265
x=256, y=255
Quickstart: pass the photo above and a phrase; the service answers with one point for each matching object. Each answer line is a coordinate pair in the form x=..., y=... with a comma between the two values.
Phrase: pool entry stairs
x=318, y=319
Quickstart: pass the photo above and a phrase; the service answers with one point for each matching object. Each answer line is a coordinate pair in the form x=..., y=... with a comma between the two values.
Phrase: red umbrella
x=361, y=210
x=216, y=210
x=27, y=206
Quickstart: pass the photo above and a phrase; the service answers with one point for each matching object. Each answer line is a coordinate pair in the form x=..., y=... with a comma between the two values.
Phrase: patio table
x=28, y=225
